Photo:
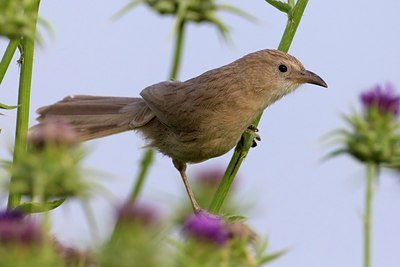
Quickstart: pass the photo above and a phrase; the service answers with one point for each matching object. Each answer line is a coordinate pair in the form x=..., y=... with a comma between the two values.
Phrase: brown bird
x=190, y=121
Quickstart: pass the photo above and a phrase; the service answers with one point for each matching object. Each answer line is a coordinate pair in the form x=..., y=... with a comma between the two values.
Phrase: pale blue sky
x=313, y=208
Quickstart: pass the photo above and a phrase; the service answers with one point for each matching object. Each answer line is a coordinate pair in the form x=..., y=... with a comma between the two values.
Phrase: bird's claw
x=253, y=128
x=253, y=131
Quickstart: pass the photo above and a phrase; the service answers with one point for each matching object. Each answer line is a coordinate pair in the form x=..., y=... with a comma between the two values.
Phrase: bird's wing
x=166, y=101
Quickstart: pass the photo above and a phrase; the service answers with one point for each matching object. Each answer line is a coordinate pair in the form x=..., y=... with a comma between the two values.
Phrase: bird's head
x=276, y=73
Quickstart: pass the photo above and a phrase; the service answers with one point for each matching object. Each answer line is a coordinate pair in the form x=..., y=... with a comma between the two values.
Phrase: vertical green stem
x=372, y=170
x=24, y=92
x=178, y=50
x=293, y=22
x=244, y=145
x=7, y=57
x=145, y=164
x=148, y=156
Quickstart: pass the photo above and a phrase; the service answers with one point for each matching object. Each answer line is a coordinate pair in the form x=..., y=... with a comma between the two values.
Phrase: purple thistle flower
x=382, y=98
x=16, y=228
x=207, y=227
x=130, y=212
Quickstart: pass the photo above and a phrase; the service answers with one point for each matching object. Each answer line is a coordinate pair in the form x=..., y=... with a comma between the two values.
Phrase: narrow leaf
x=284, y=7
x=125, y=9
x=237, y=11
x=4, y=106
x=235, y=218
x=32, y=207
x=272, y=257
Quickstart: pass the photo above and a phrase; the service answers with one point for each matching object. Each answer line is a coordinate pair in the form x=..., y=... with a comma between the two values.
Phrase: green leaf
x=235, y=218
x=221, y=27
x=32, y=207
x=7, y=57
x=335, y=153
x=237, y=11
x=4, y=106
x=125, y=9
x=284, y=7
x=272, y=257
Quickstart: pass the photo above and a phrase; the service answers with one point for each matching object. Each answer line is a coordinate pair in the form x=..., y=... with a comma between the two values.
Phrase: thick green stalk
x=242, y=148
x=372, y=170
x=24, y=93
x=148, y=156
x=7, y=57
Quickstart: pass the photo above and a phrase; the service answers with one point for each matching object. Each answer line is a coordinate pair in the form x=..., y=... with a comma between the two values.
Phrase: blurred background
x=311, y=207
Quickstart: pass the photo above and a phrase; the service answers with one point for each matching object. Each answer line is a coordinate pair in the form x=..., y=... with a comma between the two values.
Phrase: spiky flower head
x=51, y=167
x=374, y=135
x=17, y=19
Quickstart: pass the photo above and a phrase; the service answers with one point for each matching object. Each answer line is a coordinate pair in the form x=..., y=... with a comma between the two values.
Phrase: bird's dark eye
x=282, y=68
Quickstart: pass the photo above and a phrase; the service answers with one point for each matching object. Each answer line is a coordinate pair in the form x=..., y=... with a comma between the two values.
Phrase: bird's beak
x=307, y=76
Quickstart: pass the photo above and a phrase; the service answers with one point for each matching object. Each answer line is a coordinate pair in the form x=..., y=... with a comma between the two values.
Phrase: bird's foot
x=252, y=129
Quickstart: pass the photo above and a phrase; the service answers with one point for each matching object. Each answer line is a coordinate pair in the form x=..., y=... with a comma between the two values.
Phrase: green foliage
x=53, y=172
x=28, y=256
x=374, y=137
x=16, y=20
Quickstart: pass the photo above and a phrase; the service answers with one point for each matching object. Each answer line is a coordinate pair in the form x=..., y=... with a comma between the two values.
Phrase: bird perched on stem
x=190, y=121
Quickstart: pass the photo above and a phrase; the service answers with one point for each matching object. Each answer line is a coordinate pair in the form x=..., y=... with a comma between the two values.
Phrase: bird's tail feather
x=97, y=116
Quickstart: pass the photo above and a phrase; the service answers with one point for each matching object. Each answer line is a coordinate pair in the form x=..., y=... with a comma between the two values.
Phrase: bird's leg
x=252, y=129
x=181, y=167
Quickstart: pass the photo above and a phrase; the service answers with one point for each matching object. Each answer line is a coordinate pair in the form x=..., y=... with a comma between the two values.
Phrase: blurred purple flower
x=16, y=228
x=73, y=256
x=382, y=98
x=57, y=132
x=210, y=178
x=130, y=212
x=207, y=227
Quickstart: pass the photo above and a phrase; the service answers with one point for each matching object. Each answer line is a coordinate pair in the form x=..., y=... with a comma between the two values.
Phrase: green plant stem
x=145, y=164
x=178, y=50
x=293, y=22
x=372, y=170
x=7, y=57
x=24, y=93
x=148, y=156
x=244, y=145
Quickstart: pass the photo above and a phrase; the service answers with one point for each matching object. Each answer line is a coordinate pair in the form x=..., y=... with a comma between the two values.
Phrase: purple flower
x=207, y=227
x=383, y=99
x=73, y=256
x=210, y=178
x=130, y=212
x=16, y=228
x=57, y=132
